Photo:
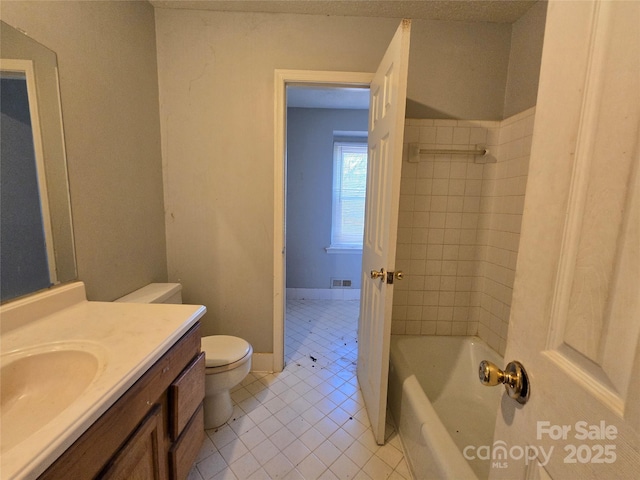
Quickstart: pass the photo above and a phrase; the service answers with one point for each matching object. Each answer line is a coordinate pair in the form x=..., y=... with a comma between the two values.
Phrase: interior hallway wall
x=310, y=139
x=216, y=76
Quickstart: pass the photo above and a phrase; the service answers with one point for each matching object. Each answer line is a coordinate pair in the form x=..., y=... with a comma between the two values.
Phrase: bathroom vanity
x=99, y=390
x=157, y=423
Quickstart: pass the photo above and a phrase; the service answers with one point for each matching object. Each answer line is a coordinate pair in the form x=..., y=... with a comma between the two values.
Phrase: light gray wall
x=524, y=60
x=216, y=76
x=109, y=92
x=457, y=70
x=309, y=195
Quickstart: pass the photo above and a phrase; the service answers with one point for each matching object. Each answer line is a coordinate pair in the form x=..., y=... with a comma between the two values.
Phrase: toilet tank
x=155, y=293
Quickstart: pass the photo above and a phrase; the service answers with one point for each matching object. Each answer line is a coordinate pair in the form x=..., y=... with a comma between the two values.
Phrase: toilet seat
x=224, y=352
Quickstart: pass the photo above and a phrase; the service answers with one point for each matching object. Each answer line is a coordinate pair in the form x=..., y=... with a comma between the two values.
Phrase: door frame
x=281, y=79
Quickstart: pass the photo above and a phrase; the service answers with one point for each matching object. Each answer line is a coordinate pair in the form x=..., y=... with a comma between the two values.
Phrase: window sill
x=344, y=250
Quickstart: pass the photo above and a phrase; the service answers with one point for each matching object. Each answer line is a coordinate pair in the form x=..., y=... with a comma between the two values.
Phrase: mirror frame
x=15, y=45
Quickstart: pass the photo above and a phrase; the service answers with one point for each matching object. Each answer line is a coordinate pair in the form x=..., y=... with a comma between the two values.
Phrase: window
x=349, y=189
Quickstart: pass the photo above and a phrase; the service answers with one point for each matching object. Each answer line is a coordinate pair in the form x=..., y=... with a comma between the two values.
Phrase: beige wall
x=216, y=76
x=524, y=60
x=109, y=91
x=457, y=70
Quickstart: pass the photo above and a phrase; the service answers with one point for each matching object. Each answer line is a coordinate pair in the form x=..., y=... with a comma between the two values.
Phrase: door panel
x=575, y=318
x=386, y=129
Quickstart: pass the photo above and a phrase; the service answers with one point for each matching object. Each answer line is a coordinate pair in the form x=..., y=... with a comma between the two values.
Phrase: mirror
x=36, y=232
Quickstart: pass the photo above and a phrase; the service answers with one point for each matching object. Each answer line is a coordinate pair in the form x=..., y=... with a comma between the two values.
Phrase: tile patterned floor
x=309, y=421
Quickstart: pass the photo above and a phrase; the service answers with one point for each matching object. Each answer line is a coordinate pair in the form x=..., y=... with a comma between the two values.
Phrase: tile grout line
x=308, y=421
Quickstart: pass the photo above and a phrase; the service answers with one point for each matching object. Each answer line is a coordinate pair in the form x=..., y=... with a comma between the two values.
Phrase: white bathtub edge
x=430, y=451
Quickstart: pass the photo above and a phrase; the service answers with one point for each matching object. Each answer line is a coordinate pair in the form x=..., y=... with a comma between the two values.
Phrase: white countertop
x=128, y=338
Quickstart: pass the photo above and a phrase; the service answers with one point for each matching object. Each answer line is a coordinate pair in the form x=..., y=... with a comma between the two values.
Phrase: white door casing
x=575, y=316
x=386, y=129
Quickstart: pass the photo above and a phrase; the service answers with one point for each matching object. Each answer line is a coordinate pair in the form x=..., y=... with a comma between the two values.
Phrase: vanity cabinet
x=141, y=457
x=154, y=431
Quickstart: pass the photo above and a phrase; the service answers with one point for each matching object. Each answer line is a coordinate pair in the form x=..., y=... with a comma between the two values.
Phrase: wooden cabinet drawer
x=184, y=452
x=185, y=395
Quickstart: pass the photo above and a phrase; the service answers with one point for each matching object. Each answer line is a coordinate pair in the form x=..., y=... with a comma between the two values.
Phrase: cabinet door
x=142, y=456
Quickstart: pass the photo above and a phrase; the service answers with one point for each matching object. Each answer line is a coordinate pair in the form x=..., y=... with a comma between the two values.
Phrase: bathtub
x=439, y=405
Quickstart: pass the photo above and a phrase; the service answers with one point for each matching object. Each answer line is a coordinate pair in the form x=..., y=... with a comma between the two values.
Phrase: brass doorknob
x=377, y=274
x=514, y=377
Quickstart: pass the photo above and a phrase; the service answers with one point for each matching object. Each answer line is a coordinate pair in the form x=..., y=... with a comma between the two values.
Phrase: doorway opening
x=326, y=169
x=314, y=98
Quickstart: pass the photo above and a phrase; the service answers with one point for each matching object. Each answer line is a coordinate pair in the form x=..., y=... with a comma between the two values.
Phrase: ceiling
x=319, y=97
x=494, y=11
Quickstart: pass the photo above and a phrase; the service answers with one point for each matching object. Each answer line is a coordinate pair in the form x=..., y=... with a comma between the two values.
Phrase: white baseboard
x=262, y=362
x=323, y=293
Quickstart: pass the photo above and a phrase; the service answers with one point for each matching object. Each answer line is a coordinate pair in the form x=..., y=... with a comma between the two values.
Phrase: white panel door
x=386, y=130
x=575, y=318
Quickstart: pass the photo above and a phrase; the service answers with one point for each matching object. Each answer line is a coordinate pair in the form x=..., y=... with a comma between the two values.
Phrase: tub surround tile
x=460, y=228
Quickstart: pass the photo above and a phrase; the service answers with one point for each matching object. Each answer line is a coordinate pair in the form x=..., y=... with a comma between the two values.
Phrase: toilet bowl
x=228, y=361
x=227, y=358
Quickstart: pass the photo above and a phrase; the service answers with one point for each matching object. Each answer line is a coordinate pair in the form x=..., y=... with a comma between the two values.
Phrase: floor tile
x=279, y=466
x=311, y=467
x=308, y=421
x=296, y=452
x=245, y=466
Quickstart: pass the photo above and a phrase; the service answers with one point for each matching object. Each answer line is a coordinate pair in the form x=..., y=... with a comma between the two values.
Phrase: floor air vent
x=340, y=283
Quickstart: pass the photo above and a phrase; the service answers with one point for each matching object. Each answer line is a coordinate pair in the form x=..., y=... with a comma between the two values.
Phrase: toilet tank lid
x=222, y=350
x=152, y=293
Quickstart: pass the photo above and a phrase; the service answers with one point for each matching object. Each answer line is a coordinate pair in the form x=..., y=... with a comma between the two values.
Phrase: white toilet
x=227, y=358
x=228, y=361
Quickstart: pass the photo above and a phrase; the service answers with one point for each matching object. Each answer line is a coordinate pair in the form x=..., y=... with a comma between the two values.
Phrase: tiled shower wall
x=459, y=228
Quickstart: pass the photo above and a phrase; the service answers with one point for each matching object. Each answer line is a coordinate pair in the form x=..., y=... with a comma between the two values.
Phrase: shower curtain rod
x=429, y=151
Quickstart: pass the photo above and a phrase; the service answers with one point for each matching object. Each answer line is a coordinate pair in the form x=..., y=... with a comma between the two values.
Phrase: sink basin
x=37, y=384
